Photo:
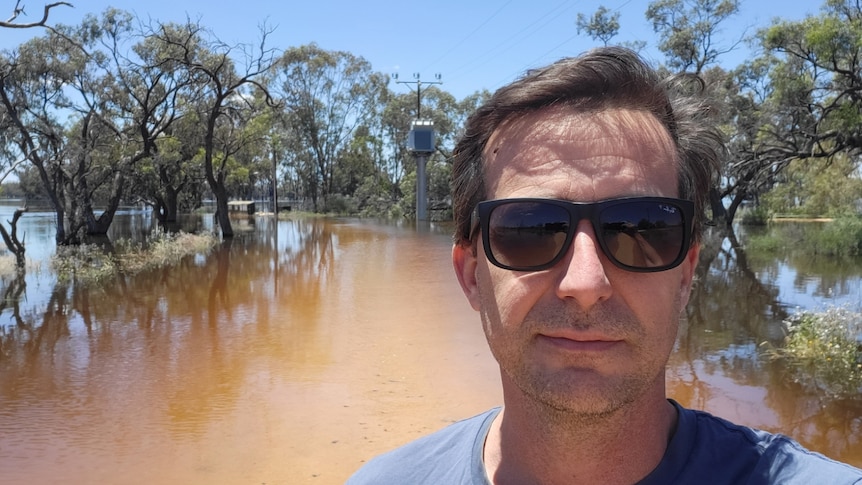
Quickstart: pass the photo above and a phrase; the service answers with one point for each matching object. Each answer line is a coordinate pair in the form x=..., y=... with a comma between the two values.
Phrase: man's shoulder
x=446, y=456
x=741, y=454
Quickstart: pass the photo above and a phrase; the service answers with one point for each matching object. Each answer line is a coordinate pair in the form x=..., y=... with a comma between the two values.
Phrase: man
x=578, y=194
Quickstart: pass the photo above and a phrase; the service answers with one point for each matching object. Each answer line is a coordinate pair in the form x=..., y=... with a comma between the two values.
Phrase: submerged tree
x=226, y=98
x=85, y=112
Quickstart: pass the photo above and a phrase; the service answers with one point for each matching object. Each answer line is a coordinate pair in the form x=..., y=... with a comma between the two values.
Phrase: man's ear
x=465, y=263
x=688, y=266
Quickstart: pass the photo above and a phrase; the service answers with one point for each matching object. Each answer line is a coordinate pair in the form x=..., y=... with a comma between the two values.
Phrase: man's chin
x=585, y=393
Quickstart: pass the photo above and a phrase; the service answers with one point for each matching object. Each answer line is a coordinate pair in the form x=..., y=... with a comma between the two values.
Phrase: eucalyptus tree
x=689, y=34
x=359, y=175
x=327, y=96
x=160, y=109
x=87, y=106
x=689, y=30
x=252, y=145
x=8, y=166
x=57, y=102
x=816, y=187
x=228, y=77
x=172, y=179
x=397, y=114
x=799, y=101
x=603, y=25
x=816, y=81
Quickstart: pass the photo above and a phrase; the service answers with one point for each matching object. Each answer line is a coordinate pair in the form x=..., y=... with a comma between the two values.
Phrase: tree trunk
x=99, y=226
x=159, y=209
x=734, y=205
x=718, y=211
x=222, y=216
x=171, y=197
x=12, y=242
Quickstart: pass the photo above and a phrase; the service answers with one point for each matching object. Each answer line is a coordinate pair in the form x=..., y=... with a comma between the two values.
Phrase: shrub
x=841, y=237
x=822, y=351
x=757, y=216
x=342, y=205
x=768, y=243
x=89, y=264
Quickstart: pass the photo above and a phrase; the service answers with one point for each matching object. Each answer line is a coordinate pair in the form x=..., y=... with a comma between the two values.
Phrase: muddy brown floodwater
x=294, y=354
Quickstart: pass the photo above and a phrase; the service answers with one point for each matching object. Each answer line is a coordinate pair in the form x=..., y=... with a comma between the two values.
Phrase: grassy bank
x=841, y=237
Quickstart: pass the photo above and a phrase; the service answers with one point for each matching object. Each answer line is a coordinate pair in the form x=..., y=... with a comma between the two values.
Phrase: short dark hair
x=601, y=79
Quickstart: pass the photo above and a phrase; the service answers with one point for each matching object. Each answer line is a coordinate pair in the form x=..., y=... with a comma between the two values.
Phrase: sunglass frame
x=591, y=211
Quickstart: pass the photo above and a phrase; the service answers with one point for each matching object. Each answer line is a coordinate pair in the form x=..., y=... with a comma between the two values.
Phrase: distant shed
x=241, y=207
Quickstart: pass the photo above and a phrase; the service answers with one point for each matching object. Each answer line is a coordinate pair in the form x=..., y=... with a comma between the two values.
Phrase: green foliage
x=375, y=198
x=840, y=238
x=407, y=204
x=327, y=97
x=341, y=205
x=687, y=28
x=823, y=351
x=755, y=216
x=766, y=243
x=816, y=188
x=603, y=25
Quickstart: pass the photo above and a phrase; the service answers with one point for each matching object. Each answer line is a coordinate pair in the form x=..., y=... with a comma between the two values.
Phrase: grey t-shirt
x=704, y=449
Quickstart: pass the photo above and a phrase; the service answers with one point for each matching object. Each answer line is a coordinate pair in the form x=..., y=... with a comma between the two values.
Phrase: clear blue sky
x=473, y=45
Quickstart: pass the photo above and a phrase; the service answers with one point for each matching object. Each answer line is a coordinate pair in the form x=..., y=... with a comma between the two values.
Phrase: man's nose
x=583, y=276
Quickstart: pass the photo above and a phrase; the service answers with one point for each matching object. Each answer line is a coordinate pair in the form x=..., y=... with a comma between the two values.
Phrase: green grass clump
x=823, y=353
x=767, y=243
x=90, y=264
x=841, y=237
x=757, y=216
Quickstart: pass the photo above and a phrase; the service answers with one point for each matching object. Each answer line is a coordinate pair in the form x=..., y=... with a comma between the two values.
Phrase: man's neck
x=529, y=444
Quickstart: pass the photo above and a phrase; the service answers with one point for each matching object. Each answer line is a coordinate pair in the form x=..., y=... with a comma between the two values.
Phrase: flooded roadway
x=300, y=350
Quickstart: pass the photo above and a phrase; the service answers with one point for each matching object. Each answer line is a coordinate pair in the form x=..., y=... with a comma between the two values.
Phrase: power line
x=521, y=35
x=464, y=39
x=533, y=27
x=418, y=82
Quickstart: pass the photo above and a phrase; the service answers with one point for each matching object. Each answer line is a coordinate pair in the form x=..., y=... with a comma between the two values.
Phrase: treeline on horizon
x=123, y=110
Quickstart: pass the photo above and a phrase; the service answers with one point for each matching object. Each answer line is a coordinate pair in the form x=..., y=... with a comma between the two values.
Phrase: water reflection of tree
x=734, y=308
x=306, y=267
x=820, y=276
x=827, y=424
x=729, y=299
x=28, y=347
x=12, y=296
x=199, y=322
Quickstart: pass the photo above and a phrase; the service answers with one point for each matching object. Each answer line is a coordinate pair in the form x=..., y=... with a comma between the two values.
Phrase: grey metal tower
x=420, y=141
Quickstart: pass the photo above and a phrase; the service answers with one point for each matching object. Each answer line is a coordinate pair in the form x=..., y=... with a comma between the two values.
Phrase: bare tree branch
x=19, y=9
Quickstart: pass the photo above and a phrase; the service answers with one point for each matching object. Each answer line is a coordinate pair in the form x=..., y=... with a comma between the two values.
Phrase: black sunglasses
x=643, y=234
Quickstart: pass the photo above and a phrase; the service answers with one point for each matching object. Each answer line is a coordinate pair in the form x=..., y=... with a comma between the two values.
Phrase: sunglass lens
x=527, y=235
x=644, y=234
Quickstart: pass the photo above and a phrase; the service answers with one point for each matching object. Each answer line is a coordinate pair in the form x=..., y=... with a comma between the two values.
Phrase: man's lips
x=580, y=343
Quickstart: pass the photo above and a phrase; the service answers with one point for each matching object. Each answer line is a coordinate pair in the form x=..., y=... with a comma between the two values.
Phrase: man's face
x=583, y=336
